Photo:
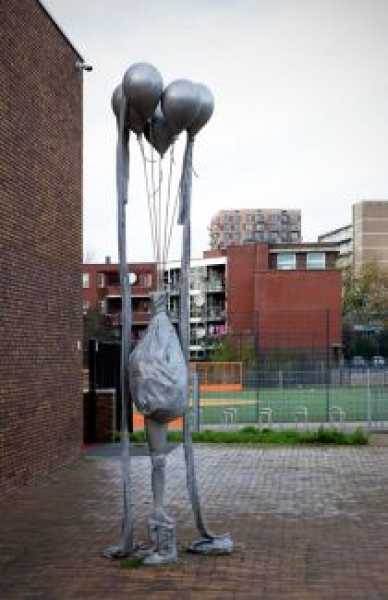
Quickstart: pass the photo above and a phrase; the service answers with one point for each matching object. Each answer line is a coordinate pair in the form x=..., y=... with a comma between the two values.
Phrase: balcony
x=215, y=285
x=137, y=291
x=215, y=314
x=138, y=318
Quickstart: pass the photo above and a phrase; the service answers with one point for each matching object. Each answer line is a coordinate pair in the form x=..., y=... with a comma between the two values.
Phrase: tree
x=96, y=326
x=365, y=298
x=235, y=349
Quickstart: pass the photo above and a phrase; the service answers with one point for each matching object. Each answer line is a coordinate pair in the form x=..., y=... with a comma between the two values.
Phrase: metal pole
x=327, y=378
x=369, y=406
x=125, y=546
x=196, y=402
x=184, y=330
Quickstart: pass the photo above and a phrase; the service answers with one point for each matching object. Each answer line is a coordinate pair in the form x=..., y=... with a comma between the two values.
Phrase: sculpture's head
x=159, y=302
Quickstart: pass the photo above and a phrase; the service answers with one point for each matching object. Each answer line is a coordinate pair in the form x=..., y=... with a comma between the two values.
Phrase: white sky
x=301, y=116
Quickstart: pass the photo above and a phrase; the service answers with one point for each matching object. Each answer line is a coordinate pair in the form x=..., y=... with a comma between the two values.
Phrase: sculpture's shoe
x=116, y=552
x=163, y=540
x=216, y=545
x=155, y=559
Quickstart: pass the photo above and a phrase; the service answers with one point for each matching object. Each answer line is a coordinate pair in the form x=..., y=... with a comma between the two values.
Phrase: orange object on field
x=138, y=422
x=218, y=376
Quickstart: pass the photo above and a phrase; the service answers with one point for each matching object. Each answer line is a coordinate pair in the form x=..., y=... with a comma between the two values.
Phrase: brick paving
x=308, y=523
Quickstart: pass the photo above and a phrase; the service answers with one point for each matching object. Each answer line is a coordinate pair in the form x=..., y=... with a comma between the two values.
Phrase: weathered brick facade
x=40, y=245
x=292, y=309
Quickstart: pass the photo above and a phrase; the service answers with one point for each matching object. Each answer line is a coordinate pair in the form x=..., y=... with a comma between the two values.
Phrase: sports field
x=304, y=403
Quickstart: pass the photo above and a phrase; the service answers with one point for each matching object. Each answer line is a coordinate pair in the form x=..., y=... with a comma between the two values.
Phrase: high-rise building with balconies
x=253, y=225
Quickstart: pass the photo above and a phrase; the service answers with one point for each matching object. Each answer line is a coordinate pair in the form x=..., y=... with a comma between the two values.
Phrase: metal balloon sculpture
x=156, y=370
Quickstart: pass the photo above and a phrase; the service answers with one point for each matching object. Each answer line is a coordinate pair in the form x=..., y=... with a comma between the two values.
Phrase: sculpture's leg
x=157, y=442
x=161, y=525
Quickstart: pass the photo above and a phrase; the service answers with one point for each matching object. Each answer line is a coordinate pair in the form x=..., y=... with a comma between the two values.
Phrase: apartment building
x=285, y=296
x=370, y=233
x=278, y=295
x=244, y=226
x=101, y=291
x=208, y=318
x=365, y=239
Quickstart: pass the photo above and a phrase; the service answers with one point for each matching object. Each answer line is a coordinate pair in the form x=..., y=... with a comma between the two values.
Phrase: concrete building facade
x=244, y=226
x=365, y=239
x=370, y=233
x=40, y=246
x=343, y=237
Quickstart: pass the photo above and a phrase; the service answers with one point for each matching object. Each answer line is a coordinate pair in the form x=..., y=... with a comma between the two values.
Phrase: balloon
x=180, y=104
x=116, y=100
x=158, y=133
x=205, y=111
x=132, y=120
x=143, y=86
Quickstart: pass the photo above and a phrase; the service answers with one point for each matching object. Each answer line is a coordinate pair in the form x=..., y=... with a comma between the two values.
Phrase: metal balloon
x=181, y=104
x=205, y=111
x=116, y=100
x=143, y=86
x=158, y=133
x=132, y=119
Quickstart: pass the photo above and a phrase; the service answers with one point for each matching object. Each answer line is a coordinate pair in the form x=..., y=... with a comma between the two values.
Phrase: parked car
x=378, y=362
x=358, y=362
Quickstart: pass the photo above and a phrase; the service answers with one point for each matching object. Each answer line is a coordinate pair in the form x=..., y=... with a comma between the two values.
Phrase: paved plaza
x=309, y=523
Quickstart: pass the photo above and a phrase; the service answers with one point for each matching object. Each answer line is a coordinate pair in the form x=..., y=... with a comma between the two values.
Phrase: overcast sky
x=301, y=118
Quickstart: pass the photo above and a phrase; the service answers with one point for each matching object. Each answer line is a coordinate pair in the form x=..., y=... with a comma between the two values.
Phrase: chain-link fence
x=304, y=399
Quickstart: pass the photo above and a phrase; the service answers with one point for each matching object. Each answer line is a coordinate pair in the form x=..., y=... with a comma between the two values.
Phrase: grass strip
x=253, y=435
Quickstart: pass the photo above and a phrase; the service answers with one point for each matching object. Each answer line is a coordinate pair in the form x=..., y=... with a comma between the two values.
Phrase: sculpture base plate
x=215, y=546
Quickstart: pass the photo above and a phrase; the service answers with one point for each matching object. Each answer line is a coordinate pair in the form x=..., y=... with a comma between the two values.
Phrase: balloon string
x=147, y=184
x=149, y=160
x=154, y=205
x=173, y=216
x=160, y=265
x=168, y=202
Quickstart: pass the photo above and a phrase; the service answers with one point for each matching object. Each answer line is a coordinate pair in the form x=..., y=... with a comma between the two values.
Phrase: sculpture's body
x=158, y=380
x=157, y=369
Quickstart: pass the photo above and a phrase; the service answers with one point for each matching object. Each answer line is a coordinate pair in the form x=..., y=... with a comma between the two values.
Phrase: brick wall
x=40, y=246
x=297, y=309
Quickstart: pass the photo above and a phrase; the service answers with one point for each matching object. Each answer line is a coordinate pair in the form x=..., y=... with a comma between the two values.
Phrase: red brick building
x=279, y=296
x=40, y=245
x=285, y=296
x=101, y=290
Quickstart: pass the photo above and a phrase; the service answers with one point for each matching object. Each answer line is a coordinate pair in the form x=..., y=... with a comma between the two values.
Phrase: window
x=286, y=261
x=145, y=280
x=316, y=260
x=85, y=306
x=85, y=280
x=100, y=280
x=102, y=307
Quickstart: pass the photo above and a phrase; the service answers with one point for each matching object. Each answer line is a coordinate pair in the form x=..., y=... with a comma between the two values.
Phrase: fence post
x=196, y=402
x=92, y=365
x=369, y=407
x=327, y=365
